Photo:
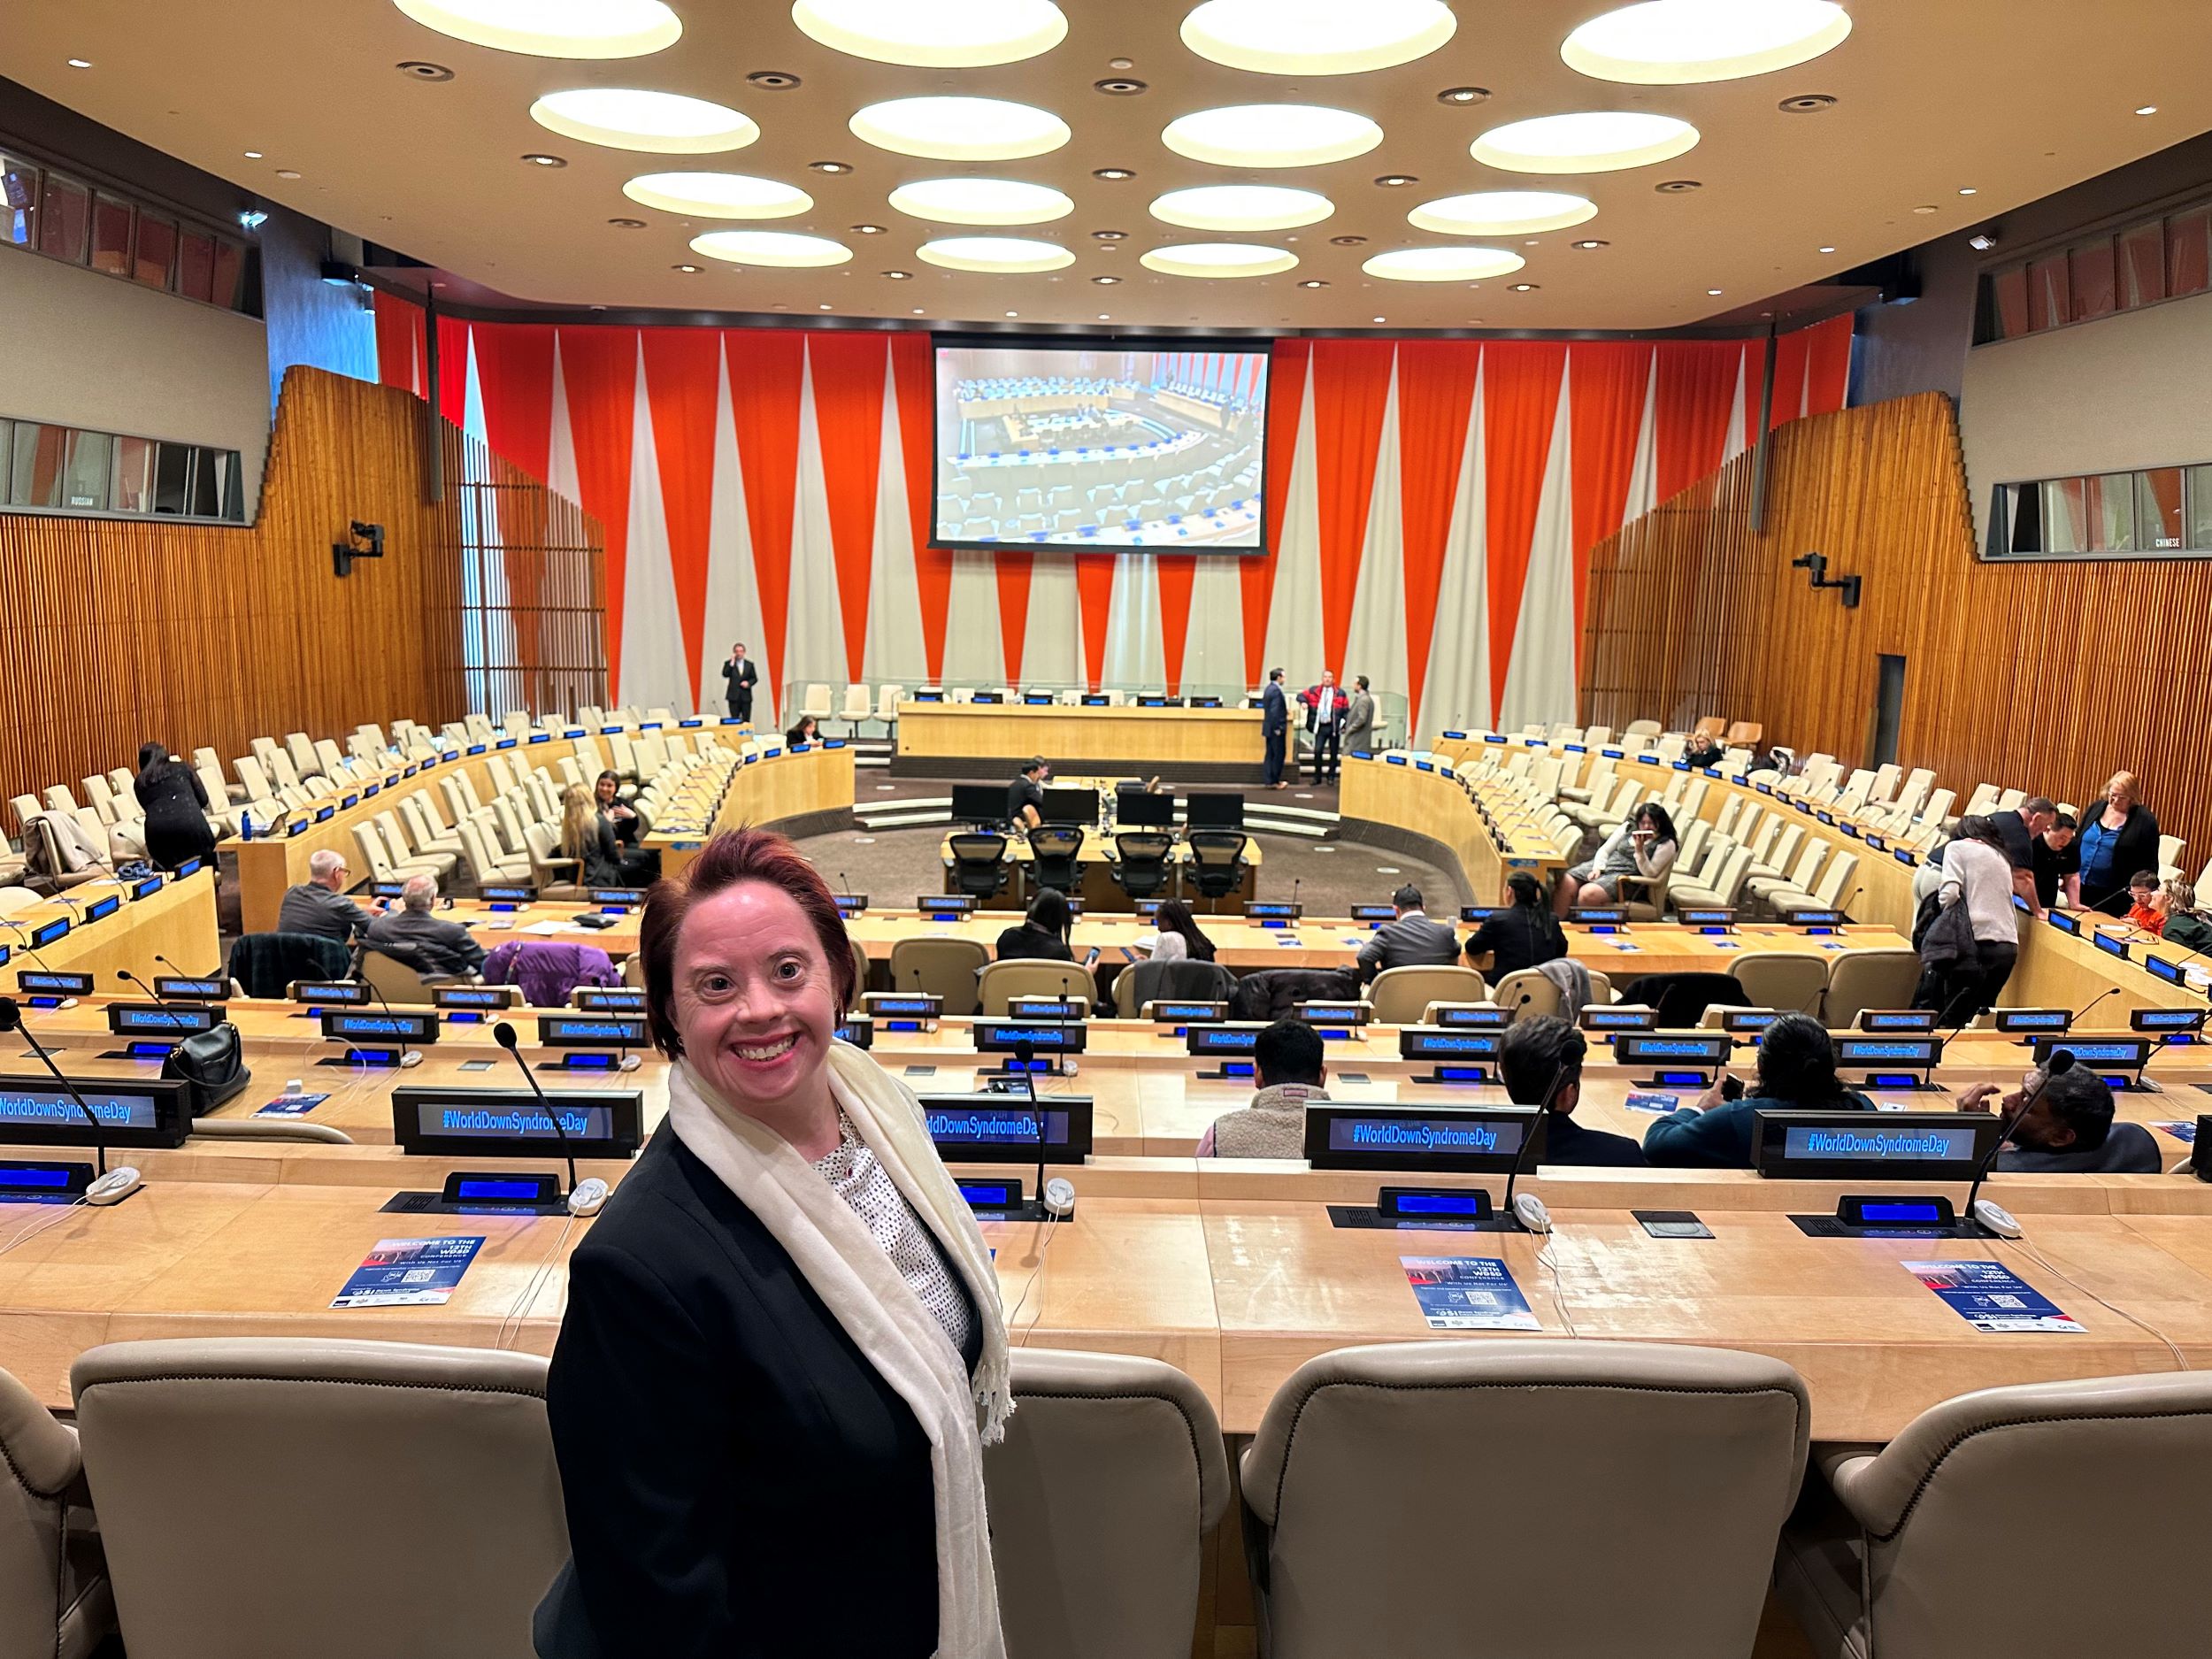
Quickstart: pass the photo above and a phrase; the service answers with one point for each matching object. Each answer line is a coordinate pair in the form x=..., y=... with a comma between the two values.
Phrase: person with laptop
x=1287, y=1065
x=1025, y=796
x=1409, y=940
x=1541, y=1060
x=1797, y=1072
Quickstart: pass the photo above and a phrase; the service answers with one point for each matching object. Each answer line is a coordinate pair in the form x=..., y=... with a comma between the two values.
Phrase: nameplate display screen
x=1165, y=1012
x=608, y=1000
x=1333, y=1013
x=1440, y=1042
x=507, y=893
x=1476, y=913
x=212, y=989
x=2034, y=1019
x=41, y=937
x=1638, y=1048
x=154, y=1019
x=37, y=1111
x=1595, y=918
x=1471, y=1017
x=2111, y=946
x=2129, y=1054
x=901, y=1005
x=1849, y=1144
x=1270, y=911
x=1342, y=1137
x=469, y=997
x=2168, y=1019
x=1374, y=915
x=629, y=897
x=36, y=982
x=346, y=1026
x=1004, y=1036
x=591, y=1031
x=1229, y=1037
x=1597, y=1019
x=1897, y=1020
x=1706, y=917
x=1919, y=1053
x=1047, y=1008
x=466, y=1122
x=1003, y=1129
x=338, y=993
x=1814, y=919
x=950, y=904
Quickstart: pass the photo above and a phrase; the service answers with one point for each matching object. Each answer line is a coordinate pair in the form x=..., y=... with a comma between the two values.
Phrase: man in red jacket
x=1326, y=705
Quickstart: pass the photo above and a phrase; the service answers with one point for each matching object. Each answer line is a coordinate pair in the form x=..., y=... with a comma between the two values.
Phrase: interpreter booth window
x=2163, y=256
x=2159, y=512
x=48, y=468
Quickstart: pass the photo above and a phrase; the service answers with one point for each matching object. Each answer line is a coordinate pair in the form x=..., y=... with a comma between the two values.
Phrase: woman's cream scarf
x=832, y=1248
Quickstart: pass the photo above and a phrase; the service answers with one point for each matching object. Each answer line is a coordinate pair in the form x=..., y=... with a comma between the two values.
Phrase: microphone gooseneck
x=584, y=1197
x=12, y=1019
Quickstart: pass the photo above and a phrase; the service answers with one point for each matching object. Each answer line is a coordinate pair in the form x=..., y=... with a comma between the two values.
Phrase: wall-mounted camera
x=367, y=543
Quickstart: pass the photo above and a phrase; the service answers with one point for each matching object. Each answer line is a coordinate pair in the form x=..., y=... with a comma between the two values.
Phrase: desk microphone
x=181, y=973
x=584, y=1197
x=1293, y=900
x=1991, y=1215
x=129, y=977
x=407, y=1057
x=1055, y=1197
x=23, y=934
x=1528, y=1208
x=2109, y=990
x=111, y=1188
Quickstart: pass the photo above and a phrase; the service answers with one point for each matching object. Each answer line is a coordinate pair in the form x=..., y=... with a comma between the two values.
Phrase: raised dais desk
x=984, y=740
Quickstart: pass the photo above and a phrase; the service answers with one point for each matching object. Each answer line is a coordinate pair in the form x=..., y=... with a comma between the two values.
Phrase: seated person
x=1174, y=916
x=628, y=824
x=2177, y=906
x=1409, y=941
x=1525, y=934
x=2142, y=902
x=318, y=905
x=414, y=935
x=1042, y=935
x=1540, y=1059
x=588, y=837
x=1025, y=796
x=1702, y=751
x=1645, y=846
x=802, y=734
x=1287, y=1061
x=2060, y=1120
x=1797, y=1071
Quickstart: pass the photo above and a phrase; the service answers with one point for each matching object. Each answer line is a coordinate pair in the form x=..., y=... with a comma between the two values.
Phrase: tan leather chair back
x=1399, y=995
x=1002, y=981
x=1861, y=979
x=1542, y=996
x=943, y=968
x=2113, y=1466
x=398, y=982
x=1110, y=1476
x=1794, y=981
x=54, y=1596
x=1590, y=1451
x=237, y=1479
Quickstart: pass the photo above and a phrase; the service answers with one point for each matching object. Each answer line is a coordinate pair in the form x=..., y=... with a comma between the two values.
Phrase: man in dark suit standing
x=1275, y=727
x=1411, y=941
x=740, y=676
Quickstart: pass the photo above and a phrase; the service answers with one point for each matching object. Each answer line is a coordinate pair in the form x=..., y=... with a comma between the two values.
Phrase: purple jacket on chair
x=547, y=972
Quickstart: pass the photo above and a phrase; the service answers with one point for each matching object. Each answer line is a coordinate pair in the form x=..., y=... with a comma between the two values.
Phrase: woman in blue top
x=2116, y=841
x=1797, y=1072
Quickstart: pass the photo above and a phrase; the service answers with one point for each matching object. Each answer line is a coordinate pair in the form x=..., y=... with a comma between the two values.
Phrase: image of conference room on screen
x=1100, y=447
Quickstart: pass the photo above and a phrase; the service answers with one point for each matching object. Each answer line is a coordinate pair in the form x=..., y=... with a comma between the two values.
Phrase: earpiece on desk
x=413, y=1056
x=586, y=1197
x=1059, y=1196
x=113, y=1187
x=630, y=1063
x=1997, y=1218
x=1528, y=1211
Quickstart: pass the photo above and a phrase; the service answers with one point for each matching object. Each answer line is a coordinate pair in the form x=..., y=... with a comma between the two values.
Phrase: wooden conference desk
x=1098, y=889
x=800, y=794
x=982, y=740
x=178, y=922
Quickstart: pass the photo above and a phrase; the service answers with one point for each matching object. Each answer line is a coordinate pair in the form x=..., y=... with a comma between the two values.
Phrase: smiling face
x=755, y=1004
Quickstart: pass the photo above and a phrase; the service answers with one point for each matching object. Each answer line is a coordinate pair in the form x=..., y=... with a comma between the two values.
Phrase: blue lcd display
x=487, y=1189
x=1826, y=1144
x=1387, y=1132
x=994, y=1126
x=1438, y=1203
x=1866, y=1051
x=1222, y=1039
x=54, y=983
x=185, y=1021
x=34, y=1178
x=988, y=1195
x=347, y=992
x=400, y=1028
x=1435, y=1043
x=2111, y=946
x=485, y=1120
x=1707, y=1050
x=145, y=889
x=1475, y=1018
x=621, y=1033
x=41, y=937
x=51, y=1108
x=1900, y=1210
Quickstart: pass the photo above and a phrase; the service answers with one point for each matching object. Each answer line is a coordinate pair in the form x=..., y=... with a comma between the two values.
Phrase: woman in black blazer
x=777, y=1363
x=1042, y=934
x=169, y=793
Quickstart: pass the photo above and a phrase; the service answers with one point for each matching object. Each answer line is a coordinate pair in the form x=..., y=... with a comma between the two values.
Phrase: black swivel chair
x=1216, y=861
x=1140, y=863
x=979, y=864
x=1053, y=852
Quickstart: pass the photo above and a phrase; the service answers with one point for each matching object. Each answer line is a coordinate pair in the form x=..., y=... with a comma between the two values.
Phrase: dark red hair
x=736, y=856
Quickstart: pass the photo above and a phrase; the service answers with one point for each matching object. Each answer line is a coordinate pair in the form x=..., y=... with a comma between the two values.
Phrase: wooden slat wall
x=116, y=631
x=2047, y=675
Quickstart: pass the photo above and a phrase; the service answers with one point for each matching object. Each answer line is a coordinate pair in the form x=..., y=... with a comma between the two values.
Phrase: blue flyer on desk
x=1660, y=1104
x=1467, y=1292
x=409, y=1272
x=291, y=1105
x=1990, y=1297
x=2180, y=1131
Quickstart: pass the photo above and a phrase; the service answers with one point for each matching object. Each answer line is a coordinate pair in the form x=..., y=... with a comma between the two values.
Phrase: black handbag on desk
x=213, y=1062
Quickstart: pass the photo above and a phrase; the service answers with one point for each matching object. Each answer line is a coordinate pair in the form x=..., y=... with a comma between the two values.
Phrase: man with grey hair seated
x=318, y=905
x=414, y=935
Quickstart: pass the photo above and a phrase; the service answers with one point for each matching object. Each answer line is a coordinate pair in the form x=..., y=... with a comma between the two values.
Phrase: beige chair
x=1399, y=995
x=440, y=864
x=1594, y=1451
x=1026, y=976
x=1861, y=979
x=236, y=1478
x=942, y=968
x=1528, y=993
x=1796, y=982
x=817, y=703
x=1899, y=1555
x=1644, y=898
x=1836, y=890
x=376, y=858
x=482, y=865
x=397, y=981
x=54, y=1598
x=1110, y=1475
x=1767, y=889
x=559, y=880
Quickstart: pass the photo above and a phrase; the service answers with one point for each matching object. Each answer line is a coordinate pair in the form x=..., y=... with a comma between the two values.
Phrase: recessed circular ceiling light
x=1807, y=103
x=1240, y=209
x=1217, y=259
x=867, y=230
x=900, y=276
x=608, y=28
x=830, y=166
x=627, y=224
x=996, y=255
x=1316, y=37
x=785, y=249
x=960, y=129
x=718, y=195
x=253, y=155
x=1379, y=319
x=545, y=161
x=1443, y=264
x=1112, y=175
x=688, y=270
x=1927, y=207
x=1105, y=317
x=81, y=63
x=1121, y=87
x=1109, y=235
x=288, y=173
x=934, y=33
x=1105, y=281
x=1523, y=287
x=625, y=118
x=416, y=69
x=1676, y=187
x=1272, y=135
x=1502, y=213
x=1348, y=242
x=1590, y=141
x=1968, y=190
x=1827, y=251
x=773, y=81
x=2148, y=109
x=1463, y=95
x=1313, y=282
x=1592, y=243
x=1714, y=292
x=1673, y=43
x=981, y=202
x=1397, y=181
